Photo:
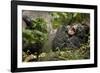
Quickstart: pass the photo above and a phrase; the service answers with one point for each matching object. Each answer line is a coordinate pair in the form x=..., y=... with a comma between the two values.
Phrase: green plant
x=66, y=18
x=37, y=33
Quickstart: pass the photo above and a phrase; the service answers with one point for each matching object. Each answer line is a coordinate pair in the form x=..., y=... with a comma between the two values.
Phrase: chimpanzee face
x=76, y=29
x=71, y=30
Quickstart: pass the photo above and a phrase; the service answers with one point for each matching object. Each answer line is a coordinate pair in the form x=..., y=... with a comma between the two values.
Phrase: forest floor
x=68, y=54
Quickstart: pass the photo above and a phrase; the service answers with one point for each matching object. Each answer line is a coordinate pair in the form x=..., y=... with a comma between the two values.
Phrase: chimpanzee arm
x=28, y=21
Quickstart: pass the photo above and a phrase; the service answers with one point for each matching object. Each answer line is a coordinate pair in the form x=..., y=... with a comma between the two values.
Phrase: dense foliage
x=37, y=34
x=67, y=18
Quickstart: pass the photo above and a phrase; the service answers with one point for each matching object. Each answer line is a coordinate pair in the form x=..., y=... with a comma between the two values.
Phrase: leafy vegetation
x=66, y=18
x=37, y=34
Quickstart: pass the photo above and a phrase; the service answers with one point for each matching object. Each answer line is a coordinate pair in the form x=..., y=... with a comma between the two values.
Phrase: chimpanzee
x=70, y=36
x=33, y=49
